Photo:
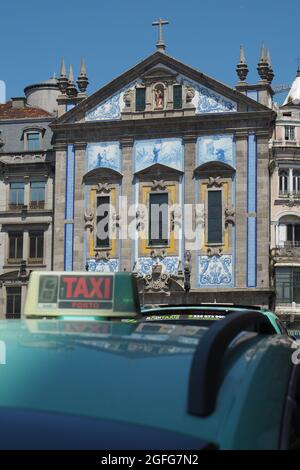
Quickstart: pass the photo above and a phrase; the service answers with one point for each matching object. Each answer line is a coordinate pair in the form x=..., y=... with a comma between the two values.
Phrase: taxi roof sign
x=55, y=294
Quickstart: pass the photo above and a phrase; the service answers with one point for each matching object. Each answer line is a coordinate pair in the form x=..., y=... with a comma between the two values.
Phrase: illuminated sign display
x=68, y=291
x=92, y=294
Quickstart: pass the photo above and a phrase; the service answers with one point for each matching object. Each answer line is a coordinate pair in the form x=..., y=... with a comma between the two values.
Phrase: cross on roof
x=160, y=45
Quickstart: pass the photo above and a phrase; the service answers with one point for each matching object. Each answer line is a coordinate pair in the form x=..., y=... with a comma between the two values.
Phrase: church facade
x=164, y=135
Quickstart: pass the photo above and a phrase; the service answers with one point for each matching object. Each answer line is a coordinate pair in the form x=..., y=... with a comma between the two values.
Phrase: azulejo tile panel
x=103, y=266
x=103, y=155
x=111, y=108
x=215, y=271
x=216, y=148
x=208, y=101
x=167, y=152
x=169, y=264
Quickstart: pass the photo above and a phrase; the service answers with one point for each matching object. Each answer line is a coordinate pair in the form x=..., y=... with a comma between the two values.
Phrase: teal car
x=206, y=314
x=76, y=384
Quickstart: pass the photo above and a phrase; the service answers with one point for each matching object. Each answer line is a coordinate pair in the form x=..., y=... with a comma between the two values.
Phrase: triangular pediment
x=207, y=94
x=158, y=171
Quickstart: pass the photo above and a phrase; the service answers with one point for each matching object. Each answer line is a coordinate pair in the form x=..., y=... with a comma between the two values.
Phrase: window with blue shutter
x=140, y=99
x=177, y=96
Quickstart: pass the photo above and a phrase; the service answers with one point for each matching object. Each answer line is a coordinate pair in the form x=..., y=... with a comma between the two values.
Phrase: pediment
x=209, y=95
x=102, y=175
x=159, y=171
x=214, y=168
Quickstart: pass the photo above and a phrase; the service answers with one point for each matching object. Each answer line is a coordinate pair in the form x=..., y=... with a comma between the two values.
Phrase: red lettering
x=81, y=289
x=107, y=288
x=69, y=281
x=96, y=283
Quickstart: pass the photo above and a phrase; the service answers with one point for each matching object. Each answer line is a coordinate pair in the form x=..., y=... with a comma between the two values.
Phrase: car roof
x=121, y=371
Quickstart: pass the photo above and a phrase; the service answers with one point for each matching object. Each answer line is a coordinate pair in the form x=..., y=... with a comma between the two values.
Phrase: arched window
x=283, y=181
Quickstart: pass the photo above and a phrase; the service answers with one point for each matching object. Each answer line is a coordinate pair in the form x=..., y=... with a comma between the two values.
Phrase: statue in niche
x=159, y=97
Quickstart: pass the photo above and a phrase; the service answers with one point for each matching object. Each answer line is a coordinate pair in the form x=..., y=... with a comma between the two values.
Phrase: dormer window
x=33, y=141
x=140, y=99
x=177, y=96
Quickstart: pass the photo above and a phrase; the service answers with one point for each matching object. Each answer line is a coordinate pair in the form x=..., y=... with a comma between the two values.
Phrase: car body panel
x=125, y=373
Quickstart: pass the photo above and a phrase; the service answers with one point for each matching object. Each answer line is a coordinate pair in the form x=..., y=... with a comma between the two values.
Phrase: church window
x=177, y=96
x=140, y=99
x=37, y=194
x=214, y=217
x=158, y=219
x=102, y=229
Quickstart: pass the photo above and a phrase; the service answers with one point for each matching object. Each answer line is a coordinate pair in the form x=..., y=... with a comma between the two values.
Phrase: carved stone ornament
x=158, y=253
x=292, y=202
x=158, y=185
x=103, y=256
x=128, y=98
x=189, y=94
x=214, y=251
x=89, y=219
x=214, y=181
x=157, y=281
x=115, y=222
x=229, y=215
x=199, y=215
x=103, y=188
x=140, y=220
x=176, y=218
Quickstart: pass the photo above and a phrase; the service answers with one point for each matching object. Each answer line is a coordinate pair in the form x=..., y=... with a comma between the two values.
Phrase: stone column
x=241, y=209
x=263, y=214
x=189, y=194
x=25, y=245
x=79, y=262
x=59, y=213
x=126, y=244
x=290, y=185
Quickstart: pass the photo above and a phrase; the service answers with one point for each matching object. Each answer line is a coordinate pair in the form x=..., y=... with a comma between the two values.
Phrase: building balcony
x=287, y=250
x=15, y=261
x=286, y=143
x=36, y=205
x=35, y=261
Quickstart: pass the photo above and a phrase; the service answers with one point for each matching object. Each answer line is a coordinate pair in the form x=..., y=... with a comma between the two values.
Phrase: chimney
x=18, y=102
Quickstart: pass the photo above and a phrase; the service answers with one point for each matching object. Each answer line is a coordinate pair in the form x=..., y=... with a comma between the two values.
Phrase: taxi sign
x=52, y=294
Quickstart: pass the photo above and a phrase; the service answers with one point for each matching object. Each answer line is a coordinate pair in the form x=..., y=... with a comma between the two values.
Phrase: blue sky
x=114, y=35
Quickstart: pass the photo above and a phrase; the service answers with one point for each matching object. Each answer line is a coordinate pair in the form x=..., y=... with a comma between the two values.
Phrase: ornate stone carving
x=214, y=181
x=189, y=94
x=103, y=188
x=158, y=185
x=115, y=222
x=104, y=256
x=292, y=202
x=214, y=251
x=89, y=219
x=157, y=281
x=199, y=215
x=128, y=98
x=229, y=215
x=158, y=253
x=176, y=218
x=140, y=220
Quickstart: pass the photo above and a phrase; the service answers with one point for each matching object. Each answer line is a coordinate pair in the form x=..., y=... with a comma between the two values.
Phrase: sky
x=114, y=35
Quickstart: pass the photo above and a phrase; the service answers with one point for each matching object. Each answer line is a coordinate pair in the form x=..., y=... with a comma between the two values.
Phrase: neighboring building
x=165, y=133
x=2, y=92
x=285, y=203
x=26, y=191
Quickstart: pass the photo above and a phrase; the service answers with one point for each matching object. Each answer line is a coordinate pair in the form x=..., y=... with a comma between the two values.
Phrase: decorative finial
x=263, y=66
x=271, y=73
x=82, y=80
x=62, y=81
x=71, y=88
x=160, y=45
x=242, y=68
